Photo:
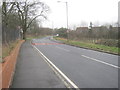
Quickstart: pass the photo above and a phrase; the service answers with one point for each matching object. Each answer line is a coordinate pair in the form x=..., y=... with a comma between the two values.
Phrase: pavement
x=86, y=68
x=33, y=72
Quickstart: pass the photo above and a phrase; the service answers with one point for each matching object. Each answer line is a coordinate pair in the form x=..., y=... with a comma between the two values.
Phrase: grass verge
x=6, y=49
x=103, y=48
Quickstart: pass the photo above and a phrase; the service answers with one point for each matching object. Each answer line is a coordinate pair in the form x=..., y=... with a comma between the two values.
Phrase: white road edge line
x=101, y=62
x=62, y=49
x=68, y=80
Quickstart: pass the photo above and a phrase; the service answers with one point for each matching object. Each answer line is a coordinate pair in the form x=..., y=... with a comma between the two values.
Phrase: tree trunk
x=24, y=34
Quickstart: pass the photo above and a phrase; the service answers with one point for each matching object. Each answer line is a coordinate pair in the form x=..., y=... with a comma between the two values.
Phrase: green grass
x=6, y=49
x=93, y=46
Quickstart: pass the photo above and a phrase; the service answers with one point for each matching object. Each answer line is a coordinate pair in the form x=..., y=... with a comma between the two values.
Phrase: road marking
x=57, y=69
x=101, y=62
x=63, y=49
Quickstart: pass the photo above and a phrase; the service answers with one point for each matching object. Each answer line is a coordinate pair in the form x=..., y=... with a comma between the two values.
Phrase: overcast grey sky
x=102, y=11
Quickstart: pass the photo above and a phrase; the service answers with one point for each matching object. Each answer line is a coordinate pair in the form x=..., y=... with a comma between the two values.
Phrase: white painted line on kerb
x=63, y=75
x=101, y=62
x=63, y=49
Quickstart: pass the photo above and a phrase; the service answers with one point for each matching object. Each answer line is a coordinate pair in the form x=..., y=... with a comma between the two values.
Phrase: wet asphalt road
x=86, y=68
x=33, y=72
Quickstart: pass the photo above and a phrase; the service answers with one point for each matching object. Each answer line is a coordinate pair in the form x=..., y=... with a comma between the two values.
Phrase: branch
x=11, y=7
x=20, y=18
x=19, y=10
x=33, y=20
x=4, y=8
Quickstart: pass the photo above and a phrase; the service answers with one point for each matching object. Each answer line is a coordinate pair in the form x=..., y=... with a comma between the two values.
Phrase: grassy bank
x=6, y=49
x=103, y=48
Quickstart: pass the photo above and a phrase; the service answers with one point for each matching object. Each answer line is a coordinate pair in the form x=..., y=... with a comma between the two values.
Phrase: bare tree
x=30, y=10
x=7, y=8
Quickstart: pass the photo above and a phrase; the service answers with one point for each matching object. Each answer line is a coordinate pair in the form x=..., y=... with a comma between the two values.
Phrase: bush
x=107, y=42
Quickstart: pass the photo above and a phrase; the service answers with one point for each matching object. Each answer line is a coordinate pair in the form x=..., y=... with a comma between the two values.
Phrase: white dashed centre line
x=101, y=62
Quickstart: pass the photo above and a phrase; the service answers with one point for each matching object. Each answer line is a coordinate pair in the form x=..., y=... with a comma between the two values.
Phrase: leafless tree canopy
x=30, y=10
x=20, y=14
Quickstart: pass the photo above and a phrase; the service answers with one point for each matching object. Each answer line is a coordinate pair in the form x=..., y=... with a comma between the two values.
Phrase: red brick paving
x=46, y=43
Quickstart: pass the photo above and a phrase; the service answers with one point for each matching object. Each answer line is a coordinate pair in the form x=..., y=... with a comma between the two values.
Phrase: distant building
x=82, y=28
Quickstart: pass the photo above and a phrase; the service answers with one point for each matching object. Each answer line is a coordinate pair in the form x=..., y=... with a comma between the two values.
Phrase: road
x=33, y=72
x=86, y=68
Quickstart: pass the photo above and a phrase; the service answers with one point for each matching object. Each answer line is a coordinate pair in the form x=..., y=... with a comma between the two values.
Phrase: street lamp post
x=66, y=18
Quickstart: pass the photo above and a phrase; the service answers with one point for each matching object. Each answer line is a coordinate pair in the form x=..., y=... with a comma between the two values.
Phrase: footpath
x=32, y=71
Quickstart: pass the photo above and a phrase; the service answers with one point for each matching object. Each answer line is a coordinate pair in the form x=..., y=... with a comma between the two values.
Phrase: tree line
x=105, y=35
x=36, y=30
x=18, y=16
